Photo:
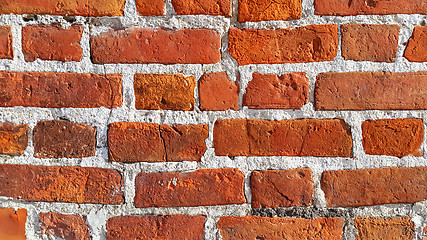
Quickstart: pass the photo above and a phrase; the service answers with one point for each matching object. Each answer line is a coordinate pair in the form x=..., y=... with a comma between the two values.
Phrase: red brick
x=61, y=184
x=369, y=7
x=13, y=138
x=52, y=43
x=58, y=139
x=64, y=226
x=256, y=10
x=164, y=91
x=184, y=142
x=416, y=51
x=368, y=187
x=365, y=42
x=60, y=90
x=148, y=45
x=218, y=93
x=254, y=227
x=135, y=142
x=6, y=44
x=393, y=137
x=12, y=223
x=92, y=8
x=148, y=142
x=393, y=228
x=202, y=7
x=371, y=90
x=302, y=137
x=282, y=188
x=205, y=187
x=156, y=227
x=150, y=7
x=313, y=43
x=287, y=91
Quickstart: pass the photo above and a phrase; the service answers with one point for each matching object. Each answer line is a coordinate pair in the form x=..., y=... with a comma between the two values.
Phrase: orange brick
x=205, y=187
x=52, y=43
x=303, y=137
x=393, y=137
x=60, y=90
x=64, y=226
x=371, y=90
x=282, y=188
x=393, y=228
x=416, y=51
x=254, y=227
x=148, y=45
x=202, y=7
x=13, y=138
x=6, y=43
x=364, y=42
x=156, y=227
x=313, y=43
x=93, y=8
x=164, y=91
x=369, y=7
x=61, y=184
x=218, y=93
x=287, y=91
x=12, y=223
x=368, y=187
x=150, y=7
x=263, y=10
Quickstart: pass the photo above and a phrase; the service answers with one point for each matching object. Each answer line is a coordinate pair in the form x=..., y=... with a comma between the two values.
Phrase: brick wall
x=213, y=119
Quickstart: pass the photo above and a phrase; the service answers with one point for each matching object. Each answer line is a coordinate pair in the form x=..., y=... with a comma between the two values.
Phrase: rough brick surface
x=390, y=229
x=371, y=90
x=304, y=137
x=282, y=188
x=13, y=138
x=156, y=227
x=61, y=184
x=369, y=7
x=59, y=90
x=393, y=137
x=416, y=51
x=184, y=142
x=68, y=227
x=58, y=138
x=264, y=10
x=218, y=93
x=135, y=142
x=164, y=91
x=368, y=42
x=6, y=45
x=253, y=227
x=202, y=7
x=150, y=7
x=148, y=45
x=92, y=8
x=205, y=187
x=367, y=187
x=287, y=91
x=51, y=42
x=12, y=223
x=148, y=142
x=313, y=43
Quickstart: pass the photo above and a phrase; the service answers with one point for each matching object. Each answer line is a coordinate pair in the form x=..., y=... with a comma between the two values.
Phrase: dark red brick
x=58, y=139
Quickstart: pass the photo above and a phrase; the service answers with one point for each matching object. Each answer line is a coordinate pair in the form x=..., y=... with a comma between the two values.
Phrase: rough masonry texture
x=213, y=119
